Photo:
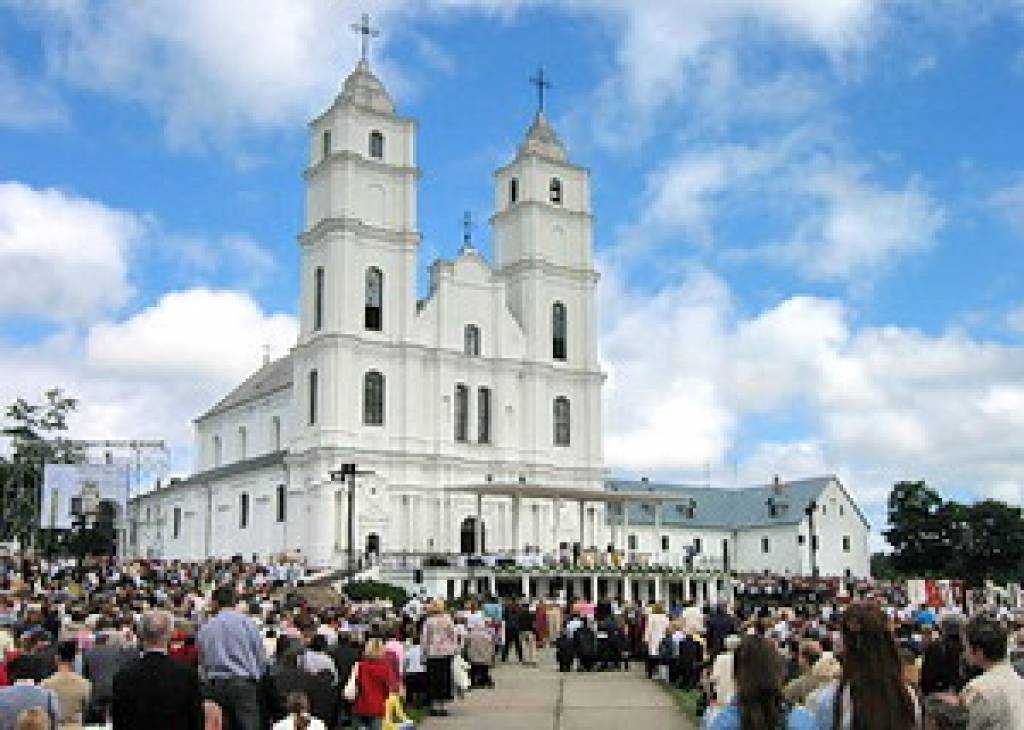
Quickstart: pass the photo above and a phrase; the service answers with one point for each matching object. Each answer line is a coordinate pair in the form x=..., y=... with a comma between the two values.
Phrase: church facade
x=472, y=416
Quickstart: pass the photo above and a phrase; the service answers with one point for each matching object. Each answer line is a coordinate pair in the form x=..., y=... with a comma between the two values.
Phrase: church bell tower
x=358, y=247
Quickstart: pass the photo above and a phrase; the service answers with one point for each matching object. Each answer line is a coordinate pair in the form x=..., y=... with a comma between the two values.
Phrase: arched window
x=325, y=144
x=376, y=145
x=373, y=399
x=314, y=396
x=558, y=331
x=555, y=190
x=373, y=316
x=218, y=451
x=471, y=343
x=483, y=415
x=318, y=298
x=513, y=191
x=562, y=422
x=461, y=413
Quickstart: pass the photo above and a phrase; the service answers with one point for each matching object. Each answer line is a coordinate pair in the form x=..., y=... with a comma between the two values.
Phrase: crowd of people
x=228, y=644
x=866, y=665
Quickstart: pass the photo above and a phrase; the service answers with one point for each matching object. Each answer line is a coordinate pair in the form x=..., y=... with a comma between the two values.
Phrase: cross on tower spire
x=467, y=230
x=363, y=29
x=541, y=83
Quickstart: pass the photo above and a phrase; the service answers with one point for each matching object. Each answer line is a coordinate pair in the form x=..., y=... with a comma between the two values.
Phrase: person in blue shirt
x=758, y=703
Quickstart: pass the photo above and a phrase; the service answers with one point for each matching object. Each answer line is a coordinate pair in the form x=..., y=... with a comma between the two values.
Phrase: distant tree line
x=936, y=538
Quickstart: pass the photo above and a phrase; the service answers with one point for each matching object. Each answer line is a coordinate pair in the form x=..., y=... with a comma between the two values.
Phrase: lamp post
x=338, y=475
x=809, y=510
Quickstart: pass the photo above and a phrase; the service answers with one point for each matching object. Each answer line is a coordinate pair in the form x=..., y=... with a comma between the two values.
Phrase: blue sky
x=819, y=208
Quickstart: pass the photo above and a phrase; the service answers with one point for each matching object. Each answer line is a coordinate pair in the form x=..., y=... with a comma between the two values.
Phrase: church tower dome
x=363, y=88
x=541, y=139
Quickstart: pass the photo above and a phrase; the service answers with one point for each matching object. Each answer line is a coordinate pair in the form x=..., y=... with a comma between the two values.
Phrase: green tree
x=989, y=542
x=918, y=530
x=37, y=435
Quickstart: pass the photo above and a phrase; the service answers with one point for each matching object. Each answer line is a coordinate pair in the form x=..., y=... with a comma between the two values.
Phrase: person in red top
x=375, y=680
x=183, y=648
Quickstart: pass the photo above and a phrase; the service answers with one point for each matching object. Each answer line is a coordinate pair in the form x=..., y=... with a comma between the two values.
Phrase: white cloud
x=673, y=53
x=878, y=403
x=860, y=228
x=62, y=257
x=206, y=69
x=846, y=226
x=149, y=375
x=28, y=103
x=220, y=333
x=1015, y=320
x=1009, y=203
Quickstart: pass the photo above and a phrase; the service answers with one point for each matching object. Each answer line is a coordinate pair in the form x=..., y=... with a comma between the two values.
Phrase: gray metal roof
x=269, y=379
x=722, y=508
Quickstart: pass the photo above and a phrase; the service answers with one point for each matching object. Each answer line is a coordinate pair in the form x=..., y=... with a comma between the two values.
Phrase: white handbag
x=351, y=686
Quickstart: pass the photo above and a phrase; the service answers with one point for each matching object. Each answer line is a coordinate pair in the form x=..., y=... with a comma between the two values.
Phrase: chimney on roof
x=777, y=484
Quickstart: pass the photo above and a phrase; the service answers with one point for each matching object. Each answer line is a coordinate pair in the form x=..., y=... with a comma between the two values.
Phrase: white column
x=657, y=533
x=443, y=518
x=556, y=518
x=493, y=582
x=593, y=588
x=712, y=591
x=526, y=585
x=627, y=593
x=479, y=539
x=410, y=523
x=517, y=529
x=657, y=588
x=583, y=531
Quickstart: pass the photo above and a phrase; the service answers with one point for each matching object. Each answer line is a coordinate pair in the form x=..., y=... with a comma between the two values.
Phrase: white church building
x=473, y=416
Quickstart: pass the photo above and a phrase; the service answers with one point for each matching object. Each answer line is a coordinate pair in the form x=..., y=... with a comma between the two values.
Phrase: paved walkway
x=540, y=698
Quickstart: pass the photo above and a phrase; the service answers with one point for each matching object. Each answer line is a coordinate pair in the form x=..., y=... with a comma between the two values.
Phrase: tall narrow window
x=325, y=144
x=275, y=433
x=471, y=344
x=243, y=511
x=766, y=545
x=282, y=503
x=697, y=546
x=562, y=423
x=314, y=396
x=483, y=415
x=376, y=145
x=513, y=191
x=555, y=190
x=177, y=523
x=218, y=451
x=243, y=446
x=373, y=317
x=846, y=543
x=318, y=298
x=558, y=331
x=461, y=413
x=373, y=399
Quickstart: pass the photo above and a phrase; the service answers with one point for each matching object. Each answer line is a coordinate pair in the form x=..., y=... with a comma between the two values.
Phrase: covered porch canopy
x=518, y=491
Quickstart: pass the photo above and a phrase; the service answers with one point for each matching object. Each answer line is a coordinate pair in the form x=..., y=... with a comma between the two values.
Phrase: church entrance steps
x=542, y=698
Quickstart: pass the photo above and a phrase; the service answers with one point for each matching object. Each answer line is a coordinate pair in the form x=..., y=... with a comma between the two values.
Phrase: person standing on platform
x=233, y=659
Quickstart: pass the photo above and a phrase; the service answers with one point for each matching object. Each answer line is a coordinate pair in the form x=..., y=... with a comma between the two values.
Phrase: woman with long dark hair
x=758, y=703
x=870, y=694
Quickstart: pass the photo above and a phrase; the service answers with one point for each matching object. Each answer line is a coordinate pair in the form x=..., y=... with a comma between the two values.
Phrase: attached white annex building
x=474, y=415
